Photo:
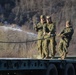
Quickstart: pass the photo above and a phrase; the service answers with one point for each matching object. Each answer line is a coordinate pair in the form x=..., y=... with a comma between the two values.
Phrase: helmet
x=42, y=17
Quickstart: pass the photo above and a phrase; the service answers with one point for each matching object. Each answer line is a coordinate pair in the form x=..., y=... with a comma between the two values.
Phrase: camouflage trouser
x=63, y=48
x=53, y=46
x=49, y=44
x=45, y=52
x=39, y=45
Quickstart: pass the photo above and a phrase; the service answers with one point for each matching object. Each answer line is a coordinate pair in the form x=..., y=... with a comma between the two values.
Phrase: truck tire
x=69, y=69
x=52, y=70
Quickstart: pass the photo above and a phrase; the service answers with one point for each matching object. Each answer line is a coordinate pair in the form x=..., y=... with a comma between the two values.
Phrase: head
x=48, y=19
x=42, y=19
x=68, y=24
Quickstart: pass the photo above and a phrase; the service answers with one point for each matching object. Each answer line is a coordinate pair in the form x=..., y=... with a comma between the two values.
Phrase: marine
x=49, y=33
x=65, y=38
x=39, y=29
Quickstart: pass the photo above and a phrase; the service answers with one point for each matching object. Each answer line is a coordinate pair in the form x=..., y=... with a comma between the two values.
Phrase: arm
x=70, y=31
x=61, y=34
x=52, y=28
x=38, y=27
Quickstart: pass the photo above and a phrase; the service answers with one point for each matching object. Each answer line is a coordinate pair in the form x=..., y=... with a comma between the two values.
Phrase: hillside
x=26, y=12
x=17, y=49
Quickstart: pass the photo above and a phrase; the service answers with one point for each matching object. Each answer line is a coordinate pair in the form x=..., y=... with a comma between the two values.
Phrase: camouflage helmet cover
x=42, y=16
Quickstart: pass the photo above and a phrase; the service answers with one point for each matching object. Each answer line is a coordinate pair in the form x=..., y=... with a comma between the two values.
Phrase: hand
x=49, y=33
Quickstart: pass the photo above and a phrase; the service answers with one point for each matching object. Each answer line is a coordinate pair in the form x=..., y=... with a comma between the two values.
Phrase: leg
x=60, y=48
x=65, y=48
x=45, y=48
x=39, y=44
x=53, y=46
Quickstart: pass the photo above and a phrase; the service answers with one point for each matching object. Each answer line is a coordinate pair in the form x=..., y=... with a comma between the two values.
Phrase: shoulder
x=71, y=28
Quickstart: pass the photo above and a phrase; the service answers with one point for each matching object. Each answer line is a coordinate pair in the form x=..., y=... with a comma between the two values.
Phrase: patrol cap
x=42, y=16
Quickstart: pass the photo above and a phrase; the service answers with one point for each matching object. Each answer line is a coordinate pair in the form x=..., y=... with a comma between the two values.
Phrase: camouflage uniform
x=39, y=29
x=66, y=36
x=50, y=41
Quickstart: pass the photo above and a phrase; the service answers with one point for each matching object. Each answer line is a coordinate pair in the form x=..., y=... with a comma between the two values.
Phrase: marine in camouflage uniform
x=49, y=34
x=65, y=38
x=39, y=29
